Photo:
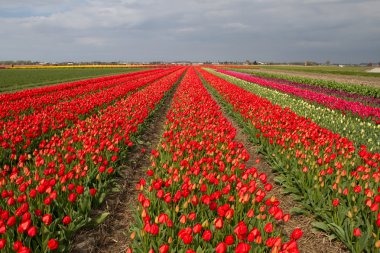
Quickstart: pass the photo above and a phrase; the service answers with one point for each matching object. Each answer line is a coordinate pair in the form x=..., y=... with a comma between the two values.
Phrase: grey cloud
x=146, y=30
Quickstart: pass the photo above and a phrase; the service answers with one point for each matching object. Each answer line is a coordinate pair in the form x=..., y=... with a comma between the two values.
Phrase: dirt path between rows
x=364, y=80
x=312, y=241
x=112, y=236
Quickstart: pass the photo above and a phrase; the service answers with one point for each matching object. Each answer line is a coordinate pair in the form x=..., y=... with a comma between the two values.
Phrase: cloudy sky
x=346, y=31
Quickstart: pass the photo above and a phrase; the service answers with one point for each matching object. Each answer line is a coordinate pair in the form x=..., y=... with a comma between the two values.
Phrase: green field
x=17, y=79
x=346, y=70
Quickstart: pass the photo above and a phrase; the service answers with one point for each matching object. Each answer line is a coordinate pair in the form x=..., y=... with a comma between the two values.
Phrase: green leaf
x=332, y=237
x=297, y=210
x=101, y=218
x=338, y=230
x=289, y=189
x=116, y=189
x=199, y=250
x=321, y=226
x=102, y=197
x=297, y=197
x=280, y=180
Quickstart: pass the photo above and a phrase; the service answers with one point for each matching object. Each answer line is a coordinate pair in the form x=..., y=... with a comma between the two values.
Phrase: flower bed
x=47, y=196
x=335, y=181
x=199, y=196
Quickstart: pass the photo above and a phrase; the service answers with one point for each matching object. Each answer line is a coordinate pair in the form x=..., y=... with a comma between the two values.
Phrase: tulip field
x=62, y=147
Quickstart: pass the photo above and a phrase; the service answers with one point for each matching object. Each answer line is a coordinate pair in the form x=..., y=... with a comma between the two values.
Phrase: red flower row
x=48, y=196
x=14, y=104
x=200, y=196
x=19, y=134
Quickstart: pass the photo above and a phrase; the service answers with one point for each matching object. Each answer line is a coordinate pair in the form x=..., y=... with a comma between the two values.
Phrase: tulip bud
x=143, y=213
x=133, y=235
x=205, y=224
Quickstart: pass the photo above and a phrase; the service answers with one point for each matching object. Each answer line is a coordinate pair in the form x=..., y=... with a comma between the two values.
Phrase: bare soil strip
x=364, y=80
x=112, y=236
x=374, y=70
x=312, y=241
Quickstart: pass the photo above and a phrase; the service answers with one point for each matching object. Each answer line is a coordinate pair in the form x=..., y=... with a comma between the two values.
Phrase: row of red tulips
x=22, y=134
x=199, y=195
x=36, y=92
x=47, y=196
x=327, y=100
x=68, y=91
x=336, y=182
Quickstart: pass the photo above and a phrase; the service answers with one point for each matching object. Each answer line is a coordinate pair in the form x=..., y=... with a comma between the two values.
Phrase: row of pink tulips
x=332, y=102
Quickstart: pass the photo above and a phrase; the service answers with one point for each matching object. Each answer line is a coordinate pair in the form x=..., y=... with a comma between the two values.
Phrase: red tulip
x=242, y=248
x=32, y=231
x=241, y=230
x=92, y=191
x=207, y=235
x=296, y=234
x=3, y=242
x=268, y=228
x=229, y=240
x=53, y=244
x=72, y=197
x=47, y=219
x=197, y=228
x=154, y=229
x=218, y=223
x=221, y=248
x=66, y=220
x=163, y=248
x=17, y=245
x=187, y=238
x=357, y=232
x=11, y=221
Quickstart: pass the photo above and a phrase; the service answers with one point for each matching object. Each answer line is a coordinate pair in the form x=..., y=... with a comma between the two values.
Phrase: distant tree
x=327, y=63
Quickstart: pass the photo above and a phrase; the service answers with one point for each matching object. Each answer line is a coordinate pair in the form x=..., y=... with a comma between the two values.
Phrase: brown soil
x=364, y=80
x=312, y=241
x=113, y=234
